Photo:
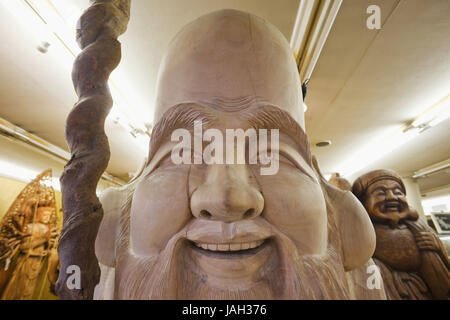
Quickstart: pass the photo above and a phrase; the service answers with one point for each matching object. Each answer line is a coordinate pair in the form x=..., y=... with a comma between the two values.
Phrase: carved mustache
x=226, y=235
x=383, y=206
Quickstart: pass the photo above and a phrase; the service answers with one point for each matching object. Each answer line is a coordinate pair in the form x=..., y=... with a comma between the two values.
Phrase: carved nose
x=227, y=195
x=390, y=195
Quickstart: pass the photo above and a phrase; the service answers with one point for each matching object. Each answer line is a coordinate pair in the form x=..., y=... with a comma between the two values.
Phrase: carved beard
x=380, y=212
x=170, y=275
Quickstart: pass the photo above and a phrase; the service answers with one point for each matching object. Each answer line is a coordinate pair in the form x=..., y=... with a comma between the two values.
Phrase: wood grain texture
x=97, y=32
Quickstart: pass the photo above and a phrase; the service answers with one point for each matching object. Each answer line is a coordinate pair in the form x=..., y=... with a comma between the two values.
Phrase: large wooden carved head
x=191, y=226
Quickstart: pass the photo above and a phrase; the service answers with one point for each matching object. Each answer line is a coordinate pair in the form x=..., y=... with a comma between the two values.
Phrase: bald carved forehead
x=230, y=54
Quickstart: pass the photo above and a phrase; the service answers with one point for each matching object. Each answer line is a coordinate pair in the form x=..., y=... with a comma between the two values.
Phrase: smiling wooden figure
x=412, y=259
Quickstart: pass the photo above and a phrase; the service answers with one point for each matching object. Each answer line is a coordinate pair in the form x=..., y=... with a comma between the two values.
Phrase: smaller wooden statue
x=28, y=236
x=412, y=260
x=340, y=182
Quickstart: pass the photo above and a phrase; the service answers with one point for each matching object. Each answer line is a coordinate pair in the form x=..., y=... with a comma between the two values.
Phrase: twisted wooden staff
x=97, y=32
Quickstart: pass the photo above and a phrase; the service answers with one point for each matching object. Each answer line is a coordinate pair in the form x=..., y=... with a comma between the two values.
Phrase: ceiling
x=36, y=91
x=154, y=23
x=25, y=162
x=366, y=83
x=369, y=82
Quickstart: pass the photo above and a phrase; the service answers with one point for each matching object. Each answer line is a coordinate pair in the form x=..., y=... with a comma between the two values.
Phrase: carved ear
x=354, y=226
x=358, y=189
x=316, y=168
x=112, y=200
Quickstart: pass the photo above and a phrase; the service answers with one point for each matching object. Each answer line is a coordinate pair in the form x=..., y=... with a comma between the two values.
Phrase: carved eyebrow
x=271, y=117
x=383, y=188
x=159, y=155
x=179, y=116
x=260, y=116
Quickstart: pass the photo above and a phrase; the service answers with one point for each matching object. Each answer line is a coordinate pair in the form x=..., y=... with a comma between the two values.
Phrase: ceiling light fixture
x=433, y=115
x=434, y=168
x=386, y=144
x=48, y=25
x=36, y=25
x=43, y=47
x=19, y=135
x=376, y=150
x=312, y=25
x=322, y=144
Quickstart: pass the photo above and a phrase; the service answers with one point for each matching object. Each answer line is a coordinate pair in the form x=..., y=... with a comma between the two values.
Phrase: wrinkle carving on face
x=191, y=236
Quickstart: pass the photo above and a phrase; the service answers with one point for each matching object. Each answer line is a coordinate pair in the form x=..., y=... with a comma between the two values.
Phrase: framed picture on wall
x=441, y=221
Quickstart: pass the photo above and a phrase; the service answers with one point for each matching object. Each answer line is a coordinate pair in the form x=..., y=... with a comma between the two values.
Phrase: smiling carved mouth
x=233, y=247
x=218, y=239
x=393, y=205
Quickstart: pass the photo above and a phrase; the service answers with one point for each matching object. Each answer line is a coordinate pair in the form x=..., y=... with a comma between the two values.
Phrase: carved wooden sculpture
x=412, y=259
x=226, y=231
x=28, y=235
x=98, y=29
x=340, y=182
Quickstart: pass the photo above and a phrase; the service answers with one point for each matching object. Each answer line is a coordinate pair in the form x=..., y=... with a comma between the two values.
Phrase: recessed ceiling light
x=325, y=143
x=43, y=47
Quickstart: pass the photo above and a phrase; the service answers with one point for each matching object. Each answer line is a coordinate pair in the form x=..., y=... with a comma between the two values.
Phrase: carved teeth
x=235, y=246
x=255, y=244
x=223, y=247
x=229, y=246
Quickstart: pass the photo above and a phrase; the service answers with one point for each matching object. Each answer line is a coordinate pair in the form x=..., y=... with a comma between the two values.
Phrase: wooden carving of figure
x=28, y=238
x=340, y=182
x=182, y=231
x=197, y=231
x=227, y=231
x=412, y=260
